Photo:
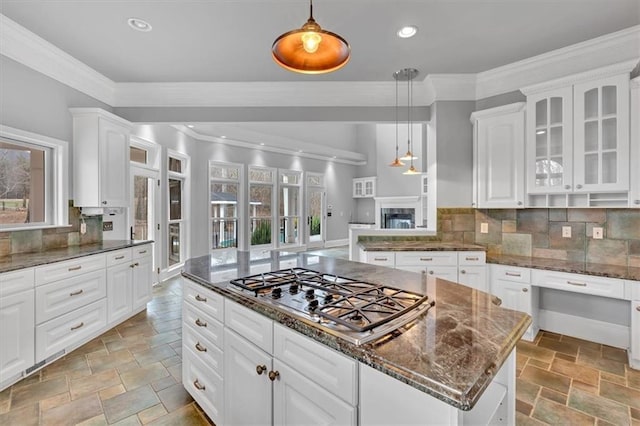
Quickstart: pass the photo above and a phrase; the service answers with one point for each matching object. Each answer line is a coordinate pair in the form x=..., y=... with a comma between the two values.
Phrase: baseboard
x=168, y=273
x=336, y=243
x=584, y=328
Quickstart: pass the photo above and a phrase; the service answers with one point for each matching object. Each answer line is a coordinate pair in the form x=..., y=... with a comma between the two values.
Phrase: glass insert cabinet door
x=549, y=140
x=601, y=112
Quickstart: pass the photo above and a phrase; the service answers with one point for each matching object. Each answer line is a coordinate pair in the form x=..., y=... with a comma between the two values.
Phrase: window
x=177, y=224
x=261, y=205
x=138, y=155
x=225, y=187
x=33, y=180
x=289, y=207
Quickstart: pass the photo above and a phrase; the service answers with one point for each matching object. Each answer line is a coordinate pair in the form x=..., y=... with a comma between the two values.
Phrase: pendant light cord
x=310, y=9
x=396, y=118
x=410, y=86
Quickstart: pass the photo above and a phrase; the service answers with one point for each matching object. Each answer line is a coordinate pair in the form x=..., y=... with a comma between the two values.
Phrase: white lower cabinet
x=513, y=286
x=119, y=290
x=16, y=333
x=129, y=282
x=142, y=281
x=634, y=341
x=473, y=276
x=204, y=385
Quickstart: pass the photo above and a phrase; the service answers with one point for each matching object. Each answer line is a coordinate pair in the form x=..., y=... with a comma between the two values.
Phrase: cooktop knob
x=328, y=298
x=293, y=288
x=276, y=292
x=313, y=305
x=309, y=294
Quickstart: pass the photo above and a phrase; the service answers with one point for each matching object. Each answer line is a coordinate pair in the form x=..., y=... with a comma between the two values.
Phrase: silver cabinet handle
x=75, y=293
x=567, y=187
x=426, y=259
x=75, y=327
x=496, y=300
x=462, y=271
x=513, y=274
x=75, y=268
x=577, y=283
x=380, y=259
x=579, y=186
x=142, y=252
x=472, y=258
x=104, y=202
x=525, y=290
x=200, y=347
x=119, y=257
x=638, y=308
x=519, y=203
x=273, y=375
x=198, y=386
x=200, y=323
x=200, y=298
x=431, y=272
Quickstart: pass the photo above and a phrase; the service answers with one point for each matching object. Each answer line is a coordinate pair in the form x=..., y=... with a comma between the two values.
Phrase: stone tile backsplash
x=27, y=241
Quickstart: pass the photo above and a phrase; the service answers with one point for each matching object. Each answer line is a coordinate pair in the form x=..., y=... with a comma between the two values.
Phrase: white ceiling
x=230, y=40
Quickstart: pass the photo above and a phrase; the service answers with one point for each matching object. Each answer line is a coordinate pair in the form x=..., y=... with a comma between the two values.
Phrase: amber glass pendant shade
x=411, y=171
x=396, y=163
x=310, y=49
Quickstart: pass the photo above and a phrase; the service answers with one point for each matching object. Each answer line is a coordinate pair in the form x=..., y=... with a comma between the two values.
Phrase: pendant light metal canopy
x=310, y=49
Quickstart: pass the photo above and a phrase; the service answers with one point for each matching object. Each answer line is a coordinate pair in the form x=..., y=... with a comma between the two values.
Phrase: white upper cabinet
x=100, y=158
x=364, y=187
x=499, y=157
x=634, y=172
x=601, y=134
x=578, y=140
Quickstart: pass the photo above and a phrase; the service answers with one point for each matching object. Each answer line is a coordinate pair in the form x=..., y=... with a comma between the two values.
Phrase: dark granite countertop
x=27, y=260
x=595, y=269
x=417, y=246
x=451, y=353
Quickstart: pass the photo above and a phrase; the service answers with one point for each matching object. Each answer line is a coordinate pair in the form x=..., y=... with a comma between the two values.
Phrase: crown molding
x=277, y=144
x=617, y=47
x=492, y=112
x=608, y=71
x=25, y=47
x=451, y=87
x=79, y=112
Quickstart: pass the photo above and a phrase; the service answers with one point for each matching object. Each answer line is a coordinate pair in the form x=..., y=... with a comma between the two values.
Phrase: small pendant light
x=310, y=49
x=396, y=162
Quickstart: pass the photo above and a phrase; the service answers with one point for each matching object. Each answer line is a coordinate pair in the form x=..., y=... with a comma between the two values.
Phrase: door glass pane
x=609, y=133
x=556, y=171
x=224, y=233
x=174, y=243
x=314, y=180
x=290, y=177
x=175, y=199
x=591, y=103
x=138, y=155
x=225, y=172
x=541, y=143
x=591, y=168
x=260, y=175
x=141, y=207
x=609, y=167
x=224, y=199
x=609, y=100
x=315, y=215
x=175, y=165
x=591, y=136
x=289, y=201
x=260, y=213
x=541, y=113
x=556, y=111
x=555, y=147
x=289, y=230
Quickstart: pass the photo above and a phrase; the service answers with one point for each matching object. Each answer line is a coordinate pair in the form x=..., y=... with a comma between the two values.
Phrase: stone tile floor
x=131, y=375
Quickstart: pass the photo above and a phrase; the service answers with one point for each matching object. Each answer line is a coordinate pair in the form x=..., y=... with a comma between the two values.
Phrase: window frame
x=240, y=204
x=301, y=194
x=274, y=205
x=183, y=222
x=56, y=178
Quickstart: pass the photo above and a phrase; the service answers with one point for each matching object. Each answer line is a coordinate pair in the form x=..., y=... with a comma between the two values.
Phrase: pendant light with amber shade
x=310, y=49
x=396, y=162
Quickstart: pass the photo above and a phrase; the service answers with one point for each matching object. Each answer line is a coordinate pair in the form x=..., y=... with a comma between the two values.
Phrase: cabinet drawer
x=204, y=385
x=141, y=251
x=471, y=258
x=323, y=366
x=69, y=268
x=254, y=327
x=511, y=273
x=415, y=258
x=64, y=296
x=202, y=348
x=16, y=281
x=207, y=300
x=205, y=324
x=117, y=257
x=70, y=329
x=598, y=286
x=382, y=258
x=633, y=290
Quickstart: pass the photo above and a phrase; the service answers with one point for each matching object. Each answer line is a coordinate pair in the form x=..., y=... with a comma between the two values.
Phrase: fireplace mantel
x=405, y=202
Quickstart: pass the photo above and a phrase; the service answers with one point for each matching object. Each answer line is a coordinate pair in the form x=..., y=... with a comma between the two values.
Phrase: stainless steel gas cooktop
x=357, y=311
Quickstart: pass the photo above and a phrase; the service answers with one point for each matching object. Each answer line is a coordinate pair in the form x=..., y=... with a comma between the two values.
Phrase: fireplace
x=398, y=218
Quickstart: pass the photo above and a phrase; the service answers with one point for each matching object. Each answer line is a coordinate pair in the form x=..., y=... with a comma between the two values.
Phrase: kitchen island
x=456, y=363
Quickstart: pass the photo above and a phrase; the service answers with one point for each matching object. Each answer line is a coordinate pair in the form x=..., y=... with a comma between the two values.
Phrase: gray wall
x=454, y=144
x=499, y=100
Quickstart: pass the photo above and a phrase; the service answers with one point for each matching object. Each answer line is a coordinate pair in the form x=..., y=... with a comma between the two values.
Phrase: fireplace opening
x=395, y=218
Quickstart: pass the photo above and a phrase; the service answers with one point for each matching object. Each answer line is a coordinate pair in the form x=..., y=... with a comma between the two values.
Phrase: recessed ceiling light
x=191, y=126
x=223, y=136
x=299, y=150
x=261, y=143
x=335, y=156
x=408, y=31
x=139, y=24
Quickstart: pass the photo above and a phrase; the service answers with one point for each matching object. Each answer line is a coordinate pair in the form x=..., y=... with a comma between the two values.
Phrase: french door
x=144, y=215
x=315, y=226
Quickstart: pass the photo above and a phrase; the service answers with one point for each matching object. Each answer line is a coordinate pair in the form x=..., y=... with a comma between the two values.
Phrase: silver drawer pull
x=142, y=252
x=496, y=300
x=512, y=274
x=200, y=298
x=119, y=257
x=525, y=290
x=431, y=272
x=198, y=386
x=75, y=268
x=577, y=283
x=472, y=258
x=426, y=259
x=462, y=271
x=200, y=323
x=200, y=347
x=380, y=258
x=77, y=292
x=77, y=326
x=638, y=308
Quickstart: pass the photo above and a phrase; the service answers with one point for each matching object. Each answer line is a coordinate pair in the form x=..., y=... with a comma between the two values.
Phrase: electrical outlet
x=107, y=226
x=566, y=232
x=484, y=227
x=597, y=233
x=83, y=228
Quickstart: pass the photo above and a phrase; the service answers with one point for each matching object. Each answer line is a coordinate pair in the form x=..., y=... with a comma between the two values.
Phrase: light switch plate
x=566, y=232
x=597, y=233
x=484, y=228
